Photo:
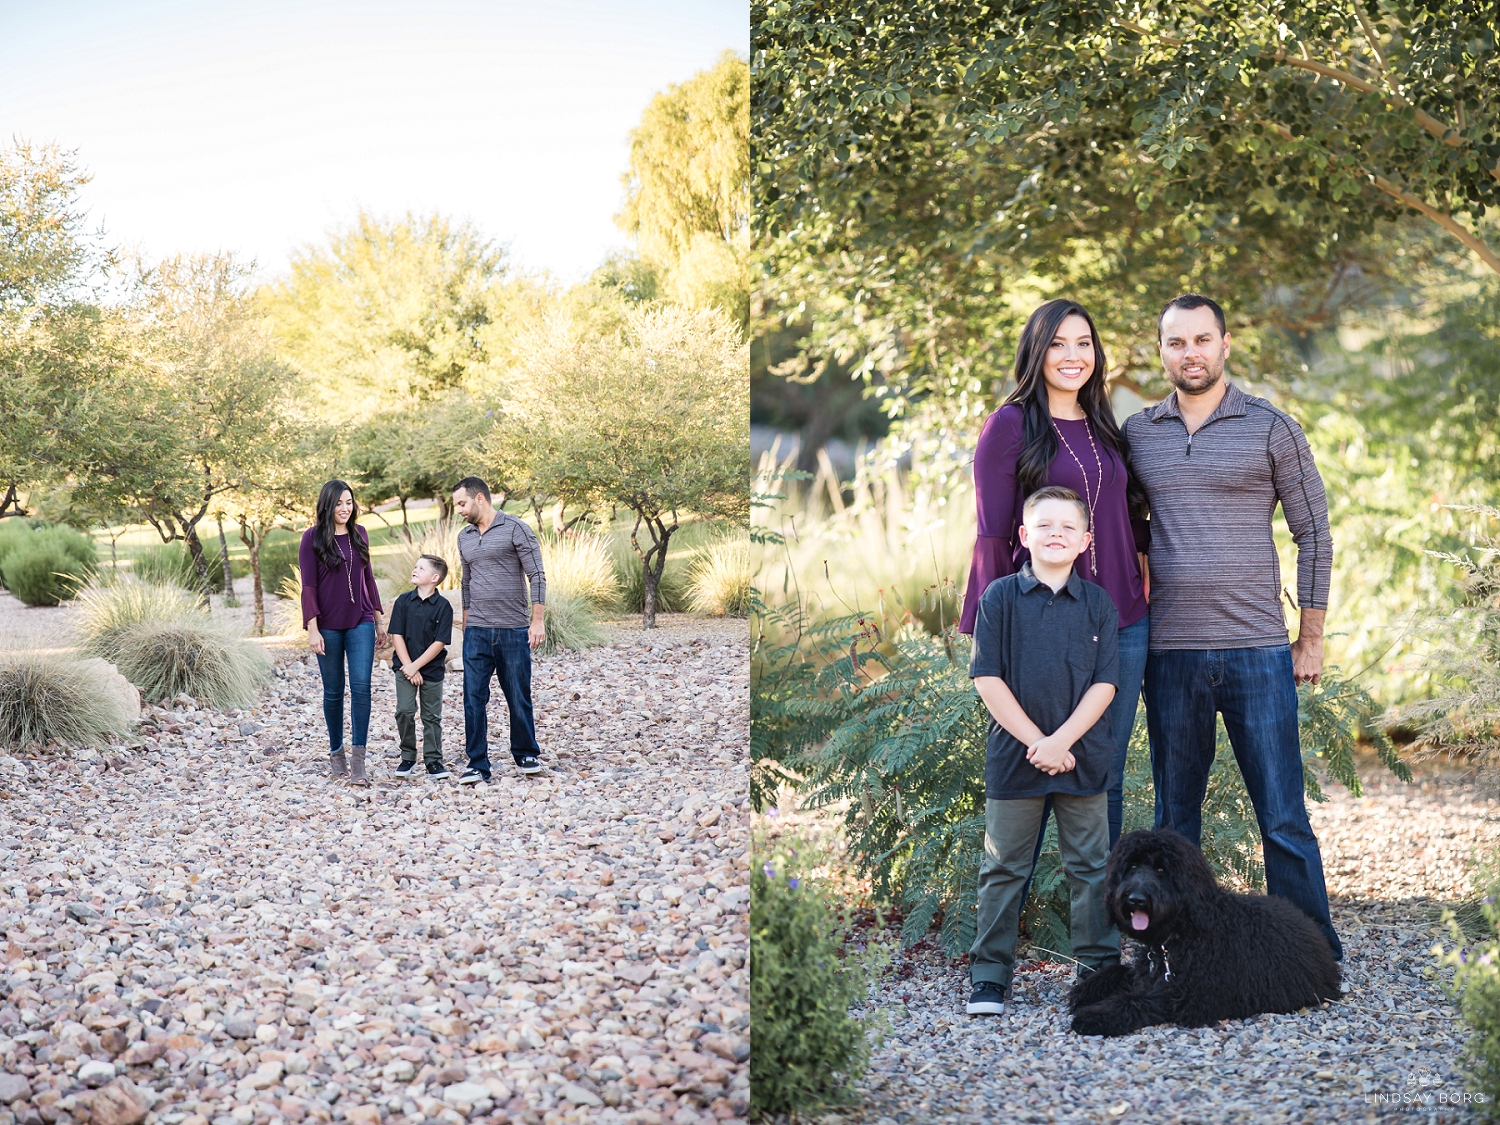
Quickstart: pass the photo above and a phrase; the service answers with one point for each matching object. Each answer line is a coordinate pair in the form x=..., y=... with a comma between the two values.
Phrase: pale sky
x=215, y=125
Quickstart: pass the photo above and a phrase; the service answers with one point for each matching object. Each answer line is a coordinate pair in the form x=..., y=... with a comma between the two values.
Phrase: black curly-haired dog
x=1208, y=955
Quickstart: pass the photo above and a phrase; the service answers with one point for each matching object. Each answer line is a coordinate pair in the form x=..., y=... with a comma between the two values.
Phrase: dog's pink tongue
x=1139, y=921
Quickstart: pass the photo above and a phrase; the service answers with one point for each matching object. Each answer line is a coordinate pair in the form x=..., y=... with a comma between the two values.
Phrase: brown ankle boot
x=339, y=764
x=358, y=761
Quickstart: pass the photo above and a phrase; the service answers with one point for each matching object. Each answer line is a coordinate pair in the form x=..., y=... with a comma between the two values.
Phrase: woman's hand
x=315, y=640
x=380, y=633
x=1145, y=576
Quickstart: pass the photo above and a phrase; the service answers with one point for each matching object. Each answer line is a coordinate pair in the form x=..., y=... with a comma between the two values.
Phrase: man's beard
x=472, y=517
x=1213, y=371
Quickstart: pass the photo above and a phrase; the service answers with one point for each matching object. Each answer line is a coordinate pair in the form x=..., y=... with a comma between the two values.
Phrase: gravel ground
x=204, y=928
x=1387, y=1053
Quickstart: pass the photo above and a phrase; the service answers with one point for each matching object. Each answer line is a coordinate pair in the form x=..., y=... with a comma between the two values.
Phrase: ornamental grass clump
x=579, y=564
x=107, y=613
x=806, y=1049
x=199, y=658
x=45, y=698
x=570, y=622
x=719, y=578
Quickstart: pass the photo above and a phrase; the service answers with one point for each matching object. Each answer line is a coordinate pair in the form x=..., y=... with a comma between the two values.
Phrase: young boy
x=421, y=624
x=1045, y=665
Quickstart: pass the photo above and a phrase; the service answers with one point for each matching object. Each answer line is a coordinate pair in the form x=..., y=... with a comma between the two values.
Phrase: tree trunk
x=559, y=525
x=9, y=501
x=445, y=508
x=651, y=571
x=200, y=564
x=405, y=527
x=252, y=540
x=229, y=598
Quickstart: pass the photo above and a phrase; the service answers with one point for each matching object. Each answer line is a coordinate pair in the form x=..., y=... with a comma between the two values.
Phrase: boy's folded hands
x=1051, y=755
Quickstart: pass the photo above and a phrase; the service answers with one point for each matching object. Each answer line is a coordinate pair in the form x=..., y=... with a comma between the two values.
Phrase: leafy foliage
x=882, y=723
x=1463, y=717
x=1475, y=985
x=41, y=572
x=806, y=1049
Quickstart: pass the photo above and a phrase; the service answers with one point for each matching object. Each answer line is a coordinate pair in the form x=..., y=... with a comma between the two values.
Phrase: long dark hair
x=323, y=545
x=1039, y=444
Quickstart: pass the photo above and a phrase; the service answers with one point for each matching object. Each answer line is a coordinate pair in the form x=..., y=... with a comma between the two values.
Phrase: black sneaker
x=439, y=774
x=406, y=769
x=472, y=777
x=987, y=999
x=529, y=764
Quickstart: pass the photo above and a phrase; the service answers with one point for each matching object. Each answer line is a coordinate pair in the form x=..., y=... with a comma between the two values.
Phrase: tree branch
x=1369, y=36
x=1422, y=207
x=1447, y=222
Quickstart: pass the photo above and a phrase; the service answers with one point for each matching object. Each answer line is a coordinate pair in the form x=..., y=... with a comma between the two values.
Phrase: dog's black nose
x=1136, y=902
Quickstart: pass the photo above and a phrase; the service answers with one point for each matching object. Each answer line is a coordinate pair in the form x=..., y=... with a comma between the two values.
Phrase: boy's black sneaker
x=529, y=764
x=439, y=774
x=987, y=999
x=406, y=769
x=472, y=777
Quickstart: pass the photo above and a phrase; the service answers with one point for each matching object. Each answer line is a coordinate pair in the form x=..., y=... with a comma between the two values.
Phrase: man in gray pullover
x=501, y=624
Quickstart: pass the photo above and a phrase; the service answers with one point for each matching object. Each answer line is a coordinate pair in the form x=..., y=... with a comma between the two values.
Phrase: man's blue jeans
x=506, y=654
x=357, y=645
x=1256, y=692
x=1133, y=643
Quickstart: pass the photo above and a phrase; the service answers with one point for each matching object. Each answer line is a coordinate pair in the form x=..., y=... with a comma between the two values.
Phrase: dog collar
x=1166, y=964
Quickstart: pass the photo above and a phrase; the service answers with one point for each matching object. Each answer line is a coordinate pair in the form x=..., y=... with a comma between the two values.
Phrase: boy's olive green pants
x=430, y=694
x=1010, y=831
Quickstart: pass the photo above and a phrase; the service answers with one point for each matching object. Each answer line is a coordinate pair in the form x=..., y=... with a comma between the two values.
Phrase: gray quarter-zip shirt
x=496, y=568
x=1215, y=575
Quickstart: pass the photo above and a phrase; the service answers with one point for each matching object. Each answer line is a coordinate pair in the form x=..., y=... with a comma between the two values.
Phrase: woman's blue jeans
x=358, y=646
x=1135, y=642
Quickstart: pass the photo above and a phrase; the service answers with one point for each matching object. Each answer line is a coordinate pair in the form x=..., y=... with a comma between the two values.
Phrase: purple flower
x=773, y=811
x=770, y=871
x=792, y=882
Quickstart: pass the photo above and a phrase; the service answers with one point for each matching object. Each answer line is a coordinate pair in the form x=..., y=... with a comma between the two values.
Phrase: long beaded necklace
x=1088, y=490
x=348, y=566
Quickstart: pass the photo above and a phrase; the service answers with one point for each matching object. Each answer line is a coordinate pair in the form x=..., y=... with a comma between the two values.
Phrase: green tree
x=164, y=405
x=688, y=188
x=395, y=313
x=410, y=453
x=649, y=417
x=47, y=256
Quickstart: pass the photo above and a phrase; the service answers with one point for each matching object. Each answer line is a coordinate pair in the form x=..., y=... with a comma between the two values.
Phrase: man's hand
x=537, y=633
x=1050, y=755
x=1307, y=649
x=1307, y=659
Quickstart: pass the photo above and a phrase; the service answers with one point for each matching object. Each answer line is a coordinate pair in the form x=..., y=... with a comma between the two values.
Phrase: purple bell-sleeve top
x=998, y=551
x=326, y=593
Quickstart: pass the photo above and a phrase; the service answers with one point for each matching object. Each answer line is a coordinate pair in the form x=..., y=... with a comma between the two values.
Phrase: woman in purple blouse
x=340, y=608
x=1057, y=428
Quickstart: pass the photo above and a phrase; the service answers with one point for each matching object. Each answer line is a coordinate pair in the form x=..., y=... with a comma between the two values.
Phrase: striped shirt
x=1215, y=575
x=496, y=568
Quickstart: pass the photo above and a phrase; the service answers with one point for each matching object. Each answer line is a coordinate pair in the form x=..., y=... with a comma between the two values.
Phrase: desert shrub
x=1475, y=986
x=171, y=564
x=107, y=613
x=671, y=592
x=806, y=1049
x=41, y=572
x=440, y=539
x=197, y=657
x=883, y=716
x=14, y=532
x=580, y=566
x=719, y=577
x=44, y=698
x=570, y=622
x=278, y=561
